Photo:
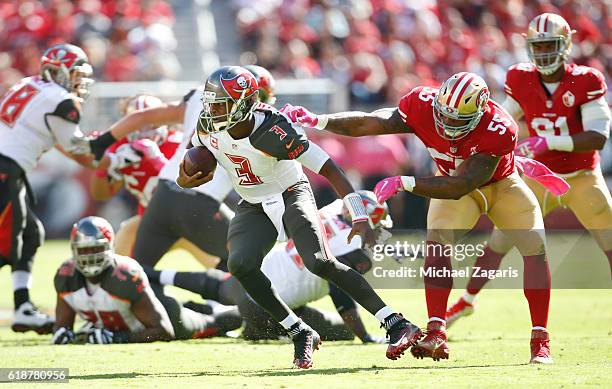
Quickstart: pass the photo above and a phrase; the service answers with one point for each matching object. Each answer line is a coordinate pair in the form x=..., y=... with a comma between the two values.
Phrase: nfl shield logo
x=568, y=99
x=453, y=150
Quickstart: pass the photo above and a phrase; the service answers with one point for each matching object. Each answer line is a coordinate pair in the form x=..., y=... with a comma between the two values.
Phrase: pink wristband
x=101, y=173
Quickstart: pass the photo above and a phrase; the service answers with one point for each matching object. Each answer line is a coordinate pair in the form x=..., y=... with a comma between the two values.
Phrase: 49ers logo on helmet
x=244, y=82
x=60, y=56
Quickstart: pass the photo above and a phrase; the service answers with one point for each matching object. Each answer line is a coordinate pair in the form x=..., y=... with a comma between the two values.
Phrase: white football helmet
x=139, y=103
x=548, y=28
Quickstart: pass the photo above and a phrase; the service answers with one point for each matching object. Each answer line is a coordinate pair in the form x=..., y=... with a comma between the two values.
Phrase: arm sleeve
x=342, y=301
x=313, y=158
x=63, y=123
x=596, y=116
x=513, y=107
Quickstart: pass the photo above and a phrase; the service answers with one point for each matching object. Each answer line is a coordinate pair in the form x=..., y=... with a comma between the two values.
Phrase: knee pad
x=241, y=263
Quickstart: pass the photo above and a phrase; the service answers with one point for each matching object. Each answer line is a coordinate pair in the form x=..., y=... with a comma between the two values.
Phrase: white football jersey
x=34, y=116
x=220, y=186
x=284, y=267
x=108, y=304
x=262, y=164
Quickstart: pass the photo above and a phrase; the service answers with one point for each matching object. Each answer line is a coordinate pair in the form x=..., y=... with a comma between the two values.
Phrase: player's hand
x=531, y=147
x=363, y=229
x=388, y=187
x=147, y=148
x=62, y=335
x=100, y=336
x=301, y=115
x=374, y=339
x=186, y=181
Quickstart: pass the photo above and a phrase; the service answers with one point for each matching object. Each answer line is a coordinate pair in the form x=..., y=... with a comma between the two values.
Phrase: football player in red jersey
x=568, y=119
x=472, y=139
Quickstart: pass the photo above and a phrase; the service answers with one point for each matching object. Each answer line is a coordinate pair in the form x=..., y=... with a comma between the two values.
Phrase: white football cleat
x=29, y=318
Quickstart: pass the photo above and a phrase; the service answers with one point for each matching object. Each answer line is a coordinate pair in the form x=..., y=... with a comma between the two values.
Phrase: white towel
x=274, y=207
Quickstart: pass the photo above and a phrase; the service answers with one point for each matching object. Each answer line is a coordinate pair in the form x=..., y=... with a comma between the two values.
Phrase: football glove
x=531, y=147
x=62, y=335
x=100, y=336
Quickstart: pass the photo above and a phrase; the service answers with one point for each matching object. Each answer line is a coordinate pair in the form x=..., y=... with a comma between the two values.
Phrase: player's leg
x=301, y=219
x=125, y=236
x=589, y=198
x=27, y=316
x=516, y=212
x=499, y=245
x=447, y=222
x=156, y=232
x=189, y=324
x=207, y=260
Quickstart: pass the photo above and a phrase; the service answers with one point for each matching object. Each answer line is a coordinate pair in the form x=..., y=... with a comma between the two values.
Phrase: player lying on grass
x=472, y=139
x=295, y=285
x=565, y=108
x=263, y=154
x=112, y=293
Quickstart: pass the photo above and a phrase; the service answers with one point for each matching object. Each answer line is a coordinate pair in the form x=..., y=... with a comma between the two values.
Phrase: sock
x=290, y=320
x=536, y=285
x=468, y=297
x=437, y=289
x=152, y=274
x=489, y=260
x=383, y=313
x=22, y=281
x=21, y=296
x=166, y=277
x=609, y=255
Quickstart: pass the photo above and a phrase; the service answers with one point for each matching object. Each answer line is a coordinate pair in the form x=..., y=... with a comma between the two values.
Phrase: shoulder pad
x=277, y=137
x=69, y=110
x=126, y=280
x=68, y=278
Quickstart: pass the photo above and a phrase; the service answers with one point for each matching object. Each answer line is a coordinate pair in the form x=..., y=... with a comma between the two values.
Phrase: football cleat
x=29, y=318
x=305, y=342
x=402, y=334
x=458, y=310
x=433, y=345
x=540, y=347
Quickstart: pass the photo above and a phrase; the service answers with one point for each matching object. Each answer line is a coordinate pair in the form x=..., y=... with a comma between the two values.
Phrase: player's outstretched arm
x=64, y=321
x=158, y=116
x=150, y=312
x=380, y=122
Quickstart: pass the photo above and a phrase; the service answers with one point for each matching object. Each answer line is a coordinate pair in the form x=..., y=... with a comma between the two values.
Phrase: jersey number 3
x=244, y=170
x=14, y=102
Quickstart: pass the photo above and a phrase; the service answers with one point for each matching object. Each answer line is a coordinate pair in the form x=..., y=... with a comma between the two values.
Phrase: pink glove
x=150, y=151
x=539, y=172
x=531, y=147
x=388, y=187
x=300, y=115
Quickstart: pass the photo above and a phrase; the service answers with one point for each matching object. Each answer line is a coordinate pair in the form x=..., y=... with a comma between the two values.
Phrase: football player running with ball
x=472, y=139
x=568, y=119
x=263, y=153
x=112, y=294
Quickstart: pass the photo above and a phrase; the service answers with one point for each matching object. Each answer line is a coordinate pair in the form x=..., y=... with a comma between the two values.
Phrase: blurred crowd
x=126, y=40
x=382, y=48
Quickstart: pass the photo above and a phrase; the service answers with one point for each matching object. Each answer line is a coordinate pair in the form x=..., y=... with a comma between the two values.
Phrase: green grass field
x=489, y=349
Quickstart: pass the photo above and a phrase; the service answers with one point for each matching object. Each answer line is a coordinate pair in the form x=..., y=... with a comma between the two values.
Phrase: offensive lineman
x=294, y=283
x=112, y=293
x=260, y=149
x=472, y=139
x=36, y=114
x=568, y=118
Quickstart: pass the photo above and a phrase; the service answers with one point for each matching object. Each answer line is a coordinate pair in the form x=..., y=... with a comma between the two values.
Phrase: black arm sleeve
x=277, y=137
x=342, y=301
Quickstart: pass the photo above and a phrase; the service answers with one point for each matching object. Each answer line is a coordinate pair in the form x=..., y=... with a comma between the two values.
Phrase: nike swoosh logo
x=288, y=145
x=399, y=341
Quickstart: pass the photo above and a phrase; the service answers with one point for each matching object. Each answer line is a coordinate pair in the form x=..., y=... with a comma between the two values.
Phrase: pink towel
x=539, y=172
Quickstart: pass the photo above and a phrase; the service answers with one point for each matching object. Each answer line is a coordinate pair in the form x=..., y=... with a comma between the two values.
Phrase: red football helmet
x=230, y=95
x=266, y=83
x=68, y=66
x=91, y=241
x=139, y=103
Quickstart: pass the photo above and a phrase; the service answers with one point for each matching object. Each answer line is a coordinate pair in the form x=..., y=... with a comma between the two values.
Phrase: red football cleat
x=305, y=343
x=402, y=334
x=433, y=345
x=458, y=310
x=540, y=347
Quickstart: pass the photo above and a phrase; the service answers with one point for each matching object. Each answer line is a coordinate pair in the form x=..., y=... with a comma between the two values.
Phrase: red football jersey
x=558, y=114
x=141, y=179
x=495, y=134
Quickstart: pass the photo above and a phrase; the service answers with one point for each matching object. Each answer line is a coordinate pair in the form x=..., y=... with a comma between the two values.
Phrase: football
x=199, y=159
